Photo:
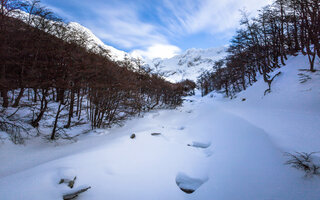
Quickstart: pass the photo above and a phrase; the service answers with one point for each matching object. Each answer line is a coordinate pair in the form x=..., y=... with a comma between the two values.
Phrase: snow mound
x=188, y=184
x=202, y=145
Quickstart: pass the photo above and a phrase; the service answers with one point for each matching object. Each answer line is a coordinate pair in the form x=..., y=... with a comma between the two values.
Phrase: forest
x=263, y=44
x=44, y=65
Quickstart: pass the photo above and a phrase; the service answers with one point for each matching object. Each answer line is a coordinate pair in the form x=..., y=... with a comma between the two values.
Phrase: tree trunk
x=70, y=109
x=16, y=103
x=35, y=95
x=56, y=122
x=4, y=94
x=60, y=95
x=311, y=61
x=43, y=108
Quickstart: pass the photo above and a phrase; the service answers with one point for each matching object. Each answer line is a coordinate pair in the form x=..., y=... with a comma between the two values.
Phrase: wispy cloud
x=120, y=24
x=123, y=24
x=61, y=13
x=209, y=15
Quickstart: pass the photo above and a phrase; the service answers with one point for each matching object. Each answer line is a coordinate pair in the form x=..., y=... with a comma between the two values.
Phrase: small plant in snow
x=306, y=162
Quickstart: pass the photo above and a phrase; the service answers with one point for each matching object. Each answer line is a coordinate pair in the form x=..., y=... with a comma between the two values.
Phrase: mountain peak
x=188, y=65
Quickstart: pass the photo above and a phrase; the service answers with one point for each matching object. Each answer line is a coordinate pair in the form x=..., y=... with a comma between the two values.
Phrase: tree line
x=43, y=62
x=263, y=43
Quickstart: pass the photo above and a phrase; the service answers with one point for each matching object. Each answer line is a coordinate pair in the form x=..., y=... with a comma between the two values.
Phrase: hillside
x=221, y=148
x=68, y=85
x=94, y=42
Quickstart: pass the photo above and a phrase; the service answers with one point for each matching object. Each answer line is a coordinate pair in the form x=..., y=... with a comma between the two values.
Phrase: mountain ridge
x=188, y=65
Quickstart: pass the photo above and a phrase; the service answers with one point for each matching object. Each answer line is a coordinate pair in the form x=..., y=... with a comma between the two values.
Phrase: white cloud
x=124, y=28
x=120, y=23
x=117, y=22
x=157, y=51
x=209, y=15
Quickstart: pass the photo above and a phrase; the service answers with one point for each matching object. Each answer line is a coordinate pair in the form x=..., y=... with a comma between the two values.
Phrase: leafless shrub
x=13, y=129
x=305, y=162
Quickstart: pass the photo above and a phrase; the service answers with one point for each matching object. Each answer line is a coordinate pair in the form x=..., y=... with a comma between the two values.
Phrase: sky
x=157, y=28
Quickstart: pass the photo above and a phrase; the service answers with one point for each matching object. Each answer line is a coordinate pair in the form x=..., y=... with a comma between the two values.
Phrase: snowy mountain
x=188, y=65
x=94, y=41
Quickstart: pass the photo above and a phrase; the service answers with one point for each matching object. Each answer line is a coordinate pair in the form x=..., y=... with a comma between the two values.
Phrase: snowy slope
x=94, y=41
x=188, y=65
x=290, y=112
x=221, y=148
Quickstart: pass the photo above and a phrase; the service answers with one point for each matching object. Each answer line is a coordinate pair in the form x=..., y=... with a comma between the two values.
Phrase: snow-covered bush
x=306, y=162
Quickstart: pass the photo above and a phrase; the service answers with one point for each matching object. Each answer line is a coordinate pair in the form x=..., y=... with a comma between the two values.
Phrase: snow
x=94, y=41
x=188, y=65
x=290, y=113
x=188, y=184
x=200, y=145
x=221, y=148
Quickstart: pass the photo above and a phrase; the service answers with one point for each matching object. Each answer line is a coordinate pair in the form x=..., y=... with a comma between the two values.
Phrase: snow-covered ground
x=221, y=148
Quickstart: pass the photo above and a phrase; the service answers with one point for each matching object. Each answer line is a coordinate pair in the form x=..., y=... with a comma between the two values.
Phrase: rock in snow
x=69, y=182
x=133, y=136
x=188, y=184
x=75, y=194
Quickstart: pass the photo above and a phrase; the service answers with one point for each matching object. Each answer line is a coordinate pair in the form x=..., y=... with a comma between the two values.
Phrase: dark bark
x=4, y=95
x=56, y=122
x=43, y=109
x=70, y=109
x=17, y=101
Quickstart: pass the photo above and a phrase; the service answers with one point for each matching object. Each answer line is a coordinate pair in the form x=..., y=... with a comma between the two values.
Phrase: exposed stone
x=74, y=194
x=68, y=181
x=188, y=191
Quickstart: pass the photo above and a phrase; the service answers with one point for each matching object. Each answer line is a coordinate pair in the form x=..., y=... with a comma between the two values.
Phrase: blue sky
x=157, y=28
